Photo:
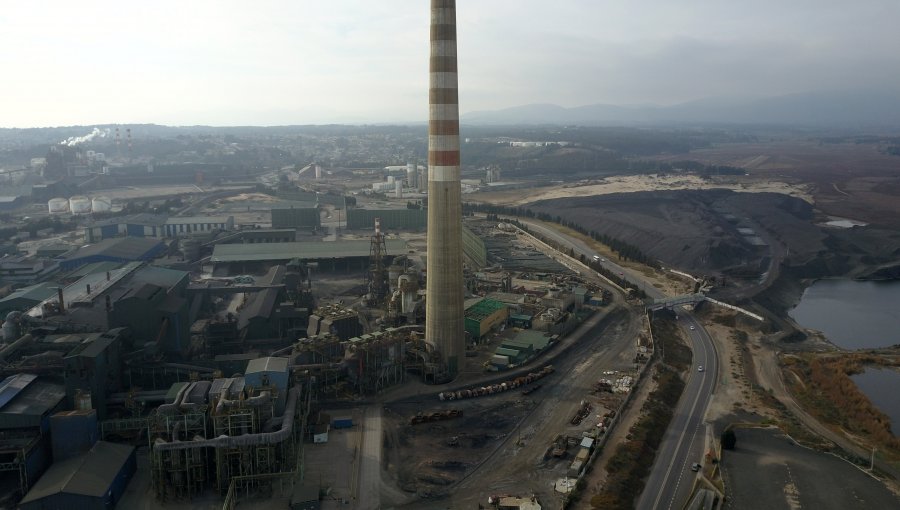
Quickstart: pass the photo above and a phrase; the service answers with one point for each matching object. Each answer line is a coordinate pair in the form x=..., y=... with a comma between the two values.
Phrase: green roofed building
x=483, y=316
x=295, y=217
x=402, y=219
x=514, y=356
x=26, y=297
x=537, y=341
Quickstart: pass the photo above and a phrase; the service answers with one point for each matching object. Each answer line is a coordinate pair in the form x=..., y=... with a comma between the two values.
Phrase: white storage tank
x=411, y=174
x=101, y=204
x=58, y=205
x=80, y=205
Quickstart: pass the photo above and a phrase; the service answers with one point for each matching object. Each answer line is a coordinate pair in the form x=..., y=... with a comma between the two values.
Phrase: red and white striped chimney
x=444, y=292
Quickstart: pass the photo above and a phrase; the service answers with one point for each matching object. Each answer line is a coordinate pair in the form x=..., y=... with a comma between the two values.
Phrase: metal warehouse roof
x=162, y=276
x=269, y=364
x=12, y=386
x=144, y=219
x=302, y=250
x=89, y=474
x=27, y=400
x=484, y=308
x=94, y=267
x=129, y=248
x=537, y=339
x=185, y=220
x=37, y=292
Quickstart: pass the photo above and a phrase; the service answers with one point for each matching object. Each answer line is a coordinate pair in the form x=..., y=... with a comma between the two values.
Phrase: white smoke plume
x=72, y=141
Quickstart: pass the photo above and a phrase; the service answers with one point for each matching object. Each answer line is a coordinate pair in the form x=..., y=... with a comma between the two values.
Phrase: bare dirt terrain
x=850, y=180
x=499, y=444
x=635, y=183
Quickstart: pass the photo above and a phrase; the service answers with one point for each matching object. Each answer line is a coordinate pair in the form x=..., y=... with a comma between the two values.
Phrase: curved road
x=671, y=479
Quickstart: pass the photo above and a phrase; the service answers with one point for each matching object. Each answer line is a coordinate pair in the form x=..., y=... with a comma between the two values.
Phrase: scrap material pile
x=496, y=388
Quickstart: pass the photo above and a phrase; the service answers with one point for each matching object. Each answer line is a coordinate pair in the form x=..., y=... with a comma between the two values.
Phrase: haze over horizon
x=352, y=61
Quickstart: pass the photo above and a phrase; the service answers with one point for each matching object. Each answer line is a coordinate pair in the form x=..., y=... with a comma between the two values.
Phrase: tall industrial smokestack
x=444, y=292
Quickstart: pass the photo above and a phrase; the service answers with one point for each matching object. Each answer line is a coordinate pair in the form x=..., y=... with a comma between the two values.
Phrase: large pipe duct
x=268, y=438
x=444, y=291
x=13, y=347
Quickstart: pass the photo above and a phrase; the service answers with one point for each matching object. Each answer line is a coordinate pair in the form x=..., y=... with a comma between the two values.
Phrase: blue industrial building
x=92, y=480
x=123, y=249
x=135, y=225
x=155, y=226
x=73, y=433
x=26, y=403
x=269, y=371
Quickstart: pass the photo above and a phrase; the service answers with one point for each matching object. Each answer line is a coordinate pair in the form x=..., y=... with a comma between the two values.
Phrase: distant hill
x=819, y=109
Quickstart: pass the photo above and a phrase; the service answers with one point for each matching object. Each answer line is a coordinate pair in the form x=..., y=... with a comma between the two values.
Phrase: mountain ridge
x=833, y=108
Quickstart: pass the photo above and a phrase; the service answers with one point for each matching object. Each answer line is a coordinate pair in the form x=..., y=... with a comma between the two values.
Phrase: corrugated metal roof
x=95, y=267
x=144, y=219
x=37, y=292
x=536, y=339
x=483, y=309
x=185, y=220
x=261, y=305
x=131, y=248
x=29, y=404
x=161, y=276
x=302, y=250
x=12, y=386
x=89, y=474
x=268, y=364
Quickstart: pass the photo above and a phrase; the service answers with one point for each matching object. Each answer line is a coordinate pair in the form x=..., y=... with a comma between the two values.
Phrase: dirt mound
x=701, y=231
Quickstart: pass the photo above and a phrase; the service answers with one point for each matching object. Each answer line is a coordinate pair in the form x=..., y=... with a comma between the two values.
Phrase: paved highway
x=671, y=479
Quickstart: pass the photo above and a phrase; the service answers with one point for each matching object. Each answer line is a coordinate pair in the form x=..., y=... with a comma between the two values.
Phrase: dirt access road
x=514, y=467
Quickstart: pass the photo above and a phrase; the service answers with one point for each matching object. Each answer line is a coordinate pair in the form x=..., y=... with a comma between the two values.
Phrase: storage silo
x=411, y=176
x=101, y=204
x=80, y=205
x=58, y=205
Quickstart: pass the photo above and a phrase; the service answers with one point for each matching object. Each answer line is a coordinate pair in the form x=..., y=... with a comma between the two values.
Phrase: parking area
x=768, y=470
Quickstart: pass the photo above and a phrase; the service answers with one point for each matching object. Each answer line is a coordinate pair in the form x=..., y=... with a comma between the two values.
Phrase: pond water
x=852, y=314
x=880, y=385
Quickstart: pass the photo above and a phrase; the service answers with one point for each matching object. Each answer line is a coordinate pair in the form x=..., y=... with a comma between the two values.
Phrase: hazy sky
x=317, y=61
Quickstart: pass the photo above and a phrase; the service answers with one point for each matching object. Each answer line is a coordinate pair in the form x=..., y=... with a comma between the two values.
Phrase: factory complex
x=196, y=344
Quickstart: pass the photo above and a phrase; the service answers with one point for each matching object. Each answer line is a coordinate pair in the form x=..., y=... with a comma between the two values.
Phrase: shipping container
x=583, y=454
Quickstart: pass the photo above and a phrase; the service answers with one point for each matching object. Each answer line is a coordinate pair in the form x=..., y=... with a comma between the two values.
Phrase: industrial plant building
x=394, y=219
x=94, y=480
x=155, y=226
x=26, y=403
x=484, y=316
x=122, y=249
x=300, y=217
x=330, y=255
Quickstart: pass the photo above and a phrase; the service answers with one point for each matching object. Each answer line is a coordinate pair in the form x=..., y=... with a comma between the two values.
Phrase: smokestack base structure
x=444, y=329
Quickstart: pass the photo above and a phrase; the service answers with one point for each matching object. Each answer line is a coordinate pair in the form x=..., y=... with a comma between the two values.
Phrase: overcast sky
x=318, y=61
